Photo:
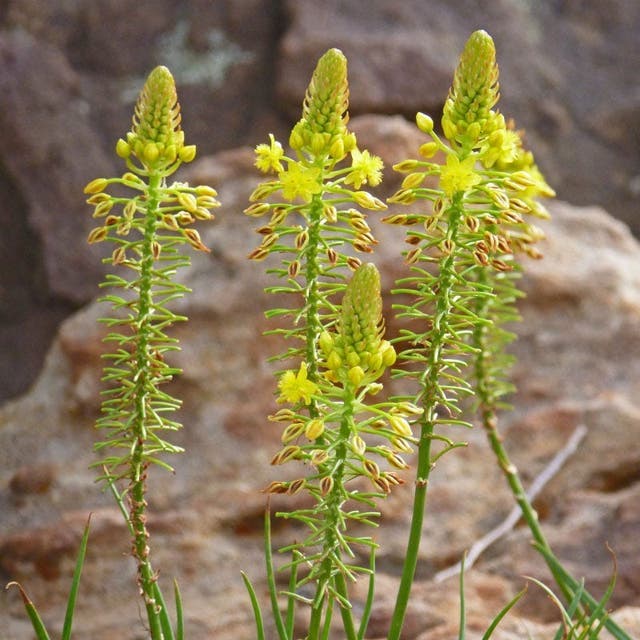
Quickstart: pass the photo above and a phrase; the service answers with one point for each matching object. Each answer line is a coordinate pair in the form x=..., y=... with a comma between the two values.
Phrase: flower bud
x=96, y=186
x=424, y=122
x=123, y=150
x=187, y=153
x=314, y=429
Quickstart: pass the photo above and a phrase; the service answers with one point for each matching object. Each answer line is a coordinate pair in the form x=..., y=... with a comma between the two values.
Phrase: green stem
x=312, y=273
x=144, y=383
x=489, y=422
x=429, y=400
x=330, y=575
x=486, y=395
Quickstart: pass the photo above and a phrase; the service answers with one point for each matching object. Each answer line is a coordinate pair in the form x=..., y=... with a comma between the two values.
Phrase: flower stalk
x=473, y=224
x=147, y=228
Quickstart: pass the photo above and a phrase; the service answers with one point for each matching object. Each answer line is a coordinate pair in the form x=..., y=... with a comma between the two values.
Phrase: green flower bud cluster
x=156, y=138
x=468, y=112
x=322, y=130
x=357, y=354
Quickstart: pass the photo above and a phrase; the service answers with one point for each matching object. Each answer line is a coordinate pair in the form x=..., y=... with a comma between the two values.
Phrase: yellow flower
x=268, y=156
x=301, y=181
x=458, y=175
x=364, y=168
x=503, y=147
x=295, y=387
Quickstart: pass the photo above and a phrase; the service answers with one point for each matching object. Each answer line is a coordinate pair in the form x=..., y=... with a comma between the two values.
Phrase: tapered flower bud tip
x=156, y=137
x=322, y=129
x=331, y=66
x=467, y=111
x=361, y=327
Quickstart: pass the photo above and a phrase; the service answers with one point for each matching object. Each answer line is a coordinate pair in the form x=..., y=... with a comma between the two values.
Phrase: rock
x=242, y=69
x=32, y=479
x=49, y=152
x=578, y=364
x=581, y=120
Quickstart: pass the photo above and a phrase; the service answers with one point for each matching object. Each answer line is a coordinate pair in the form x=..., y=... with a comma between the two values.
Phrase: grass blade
x=292, y=601
x=503, y=612
x=36, y=622
x=163, y=614
x=612, y=627
x=271, y=579
x=179, y=612
x=368, y=605
x=463, y=612
x=255, y=605
x=73, y=593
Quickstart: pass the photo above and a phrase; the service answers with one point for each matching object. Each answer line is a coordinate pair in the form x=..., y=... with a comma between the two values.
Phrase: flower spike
x=322, y=129
x=468, y=114
x=156, y=138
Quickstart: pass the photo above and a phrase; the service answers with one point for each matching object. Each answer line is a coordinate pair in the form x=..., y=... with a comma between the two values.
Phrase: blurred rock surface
x=70, y=71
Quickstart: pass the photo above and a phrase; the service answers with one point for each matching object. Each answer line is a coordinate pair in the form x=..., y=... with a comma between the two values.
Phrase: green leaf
x=36, y=621
x=73, y=593
x=503, y=612
x=255, y=605
x=179, y=612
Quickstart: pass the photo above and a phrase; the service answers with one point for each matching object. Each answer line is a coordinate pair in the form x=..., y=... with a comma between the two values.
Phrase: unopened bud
x=428, y=149
x=424, y=122
x=96, y=186
x=400, y=426
x=123, y=150
x=257, y=209
x=366, y=200
x=405, y=166
x=314, y=429
x=187, y=153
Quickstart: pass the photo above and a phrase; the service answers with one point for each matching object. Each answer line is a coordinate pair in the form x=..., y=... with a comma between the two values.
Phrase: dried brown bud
x=353, y=263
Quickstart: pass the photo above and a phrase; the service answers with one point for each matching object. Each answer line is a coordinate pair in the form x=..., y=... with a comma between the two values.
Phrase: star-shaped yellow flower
x=268, y=156
x=299, y=180
x=295, y=387
x=365, y=168
x=458, y=175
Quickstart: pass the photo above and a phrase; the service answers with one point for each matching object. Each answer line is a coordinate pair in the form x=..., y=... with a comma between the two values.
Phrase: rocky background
x=69, y=72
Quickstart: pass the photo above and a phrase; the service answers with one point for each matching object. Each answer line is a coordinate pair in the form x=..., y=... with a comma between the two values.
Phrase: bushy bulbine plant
x=148, y=227
x=148, y=220
x=148, y=223
x=474, y=198
x=337, y=351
